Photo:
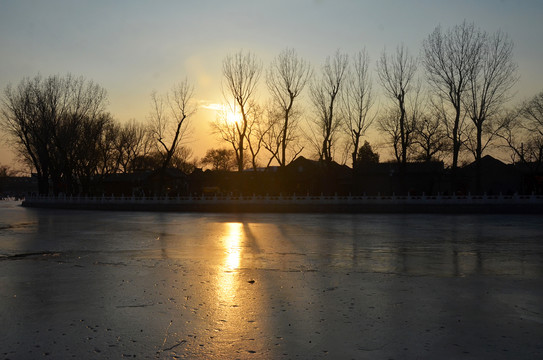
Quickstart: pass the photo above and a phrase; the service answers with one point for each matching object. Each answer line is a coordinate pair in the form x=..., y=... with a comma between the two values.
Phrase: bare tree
x=477, y=141
x=522, y=130
x=96, y=158
x=324, y=95
x=219, y=159
x=397, y=74
x=228, y=129
x=133, y=140
x=170, y=119
x=489, y=84
x=256, y=133
x=430, y=136
x=6, y=171
x=271, y=131
x=44, y=117
x=450, y=58
x=183, y=159
x=286, y=78
x=241, y=73
x=389, y=125
x=357, y=102
x=533, y=113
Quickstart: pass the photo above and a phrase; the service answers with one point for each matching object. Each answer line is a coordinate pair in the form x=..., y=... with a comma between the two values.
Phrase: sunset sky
x=134, y=47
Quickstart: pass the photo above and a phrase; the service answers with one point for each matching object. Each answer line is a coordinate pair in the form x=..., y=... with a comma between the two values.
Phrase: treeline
x=444, y=103
x=60, y=127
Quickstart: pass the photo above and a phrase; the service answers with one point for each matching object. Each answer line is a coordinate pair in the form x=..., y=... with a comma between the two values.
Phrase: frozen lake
x=221, y=286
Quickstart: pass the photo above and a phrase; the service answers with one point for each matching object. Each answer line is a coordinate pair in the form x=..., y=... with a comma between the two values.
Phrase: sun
x=232, y=117
x=225, y=113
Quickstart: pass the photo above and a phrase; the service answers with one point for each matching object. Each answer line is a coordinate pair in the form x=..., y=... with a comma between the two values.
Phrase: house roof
x=127, y=177
x=303, y=163
x=143, y=176
x=171, y=172
x=488, y=164
x=394, y=167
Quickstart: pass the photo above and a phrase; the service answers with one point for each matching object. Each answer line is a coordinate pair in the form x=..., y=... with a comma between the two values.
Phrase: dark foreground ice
x=111, y=285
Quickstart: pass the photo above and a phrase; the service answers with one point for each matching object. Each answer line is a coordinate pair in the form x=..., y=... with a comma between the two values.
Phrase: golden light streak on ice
x=232, y=244
x=227, y=280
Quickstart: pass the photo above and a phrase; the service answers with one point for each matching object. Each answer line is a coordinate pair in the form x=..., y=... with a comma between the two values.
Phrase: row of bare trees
x=60, y=127
x=276, y=126
x=472, y=73
x=55, y=122
x=468, y=75
x=522, y=132
x=448, y=100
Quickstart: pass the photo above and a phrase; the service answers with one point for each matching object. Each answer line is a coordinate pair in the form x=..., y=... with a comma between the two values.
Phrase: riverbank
x=518, y=204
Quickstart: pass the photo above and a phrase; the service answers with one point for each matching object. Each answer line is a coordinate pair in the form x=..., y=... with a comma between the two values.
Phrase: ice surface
x=221, y=286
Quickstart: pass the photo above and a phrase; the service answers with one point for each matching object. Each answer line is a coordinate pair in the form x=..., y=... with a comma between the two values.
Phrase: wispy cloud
x=210, y=106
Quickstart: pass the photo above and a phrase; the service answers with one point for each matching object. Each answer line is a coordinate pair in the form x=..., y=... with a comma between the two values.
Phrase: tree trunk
x=283, y=161
x=240, y=157
x=478, y=153
x=43, y=184
x=355, y=152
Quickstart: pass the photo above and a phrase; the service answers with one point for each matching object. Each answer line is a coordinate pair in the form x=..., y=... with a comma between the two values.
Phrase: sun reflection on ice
x=232, y=246
x=227, y=279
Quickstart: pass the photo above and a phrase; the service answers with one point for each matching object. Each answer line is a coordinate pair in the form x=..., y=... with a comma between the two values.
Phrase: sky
x=134, y=47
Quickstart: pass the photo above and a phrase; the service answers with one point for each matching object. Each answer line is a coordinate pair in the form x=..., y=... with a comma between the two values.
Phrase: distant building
x=18, y=185
x=387, y=178
x=125, y=184
x=496, y=177
x=304, y=176
x=170, y=182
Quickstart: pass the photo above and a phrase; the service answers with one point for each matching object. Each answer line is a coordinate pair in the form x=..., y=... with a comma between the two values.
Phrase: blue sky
x=133, y=47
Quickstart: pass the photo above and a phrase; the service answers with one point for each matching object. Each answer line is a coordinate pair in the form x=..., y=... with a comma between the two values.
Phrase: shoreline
x=514, y=204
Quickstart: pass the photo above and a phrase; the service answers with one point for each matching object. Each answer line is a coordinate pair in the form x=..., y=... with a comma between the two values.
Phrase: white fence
x=289, y=200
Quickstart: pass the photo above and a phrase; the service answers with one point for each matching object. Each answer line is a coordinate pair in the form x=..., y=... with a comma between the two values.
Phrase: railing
x=289, y=199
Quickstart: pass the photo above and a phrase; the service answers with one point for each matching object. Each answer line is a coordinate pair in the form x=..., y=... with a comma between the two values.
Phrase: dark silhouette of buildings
x=310, y=177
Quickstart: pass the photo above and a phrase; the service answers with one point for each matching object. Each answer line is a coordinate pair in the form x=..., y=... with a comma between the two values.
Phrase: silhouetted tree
x=134, y=139
x=450, y=58
x=389, y=125
x=358, y=101
x=154, y=160
x=241, y=73
x=286, y=78
x=489, y=84
x=533, y=113
x=97, y=158
x=256, y=133
x=44, y=117
x=219, y=159
x=183, y=160
x=366, y=155
x=170, y=118
x=397, y=74
x=148, y=162
x=522, y=130
x=6, y=171
x=272, y=134
x=324, y=95
x=227, y=127
x=430, y=136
